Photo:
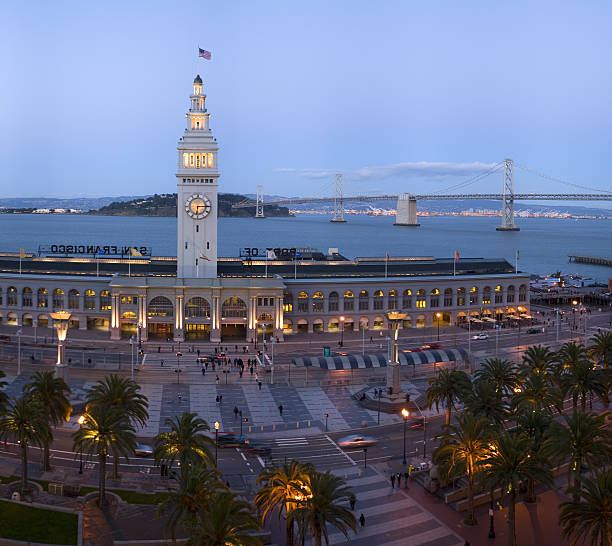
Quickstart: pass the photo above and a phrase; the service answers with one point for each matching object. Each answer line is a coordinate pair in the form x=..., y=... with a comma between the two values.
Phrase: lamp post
x=178, y=367
x=342, y=331
x=19, y=332
x=60, y=322
x=438, y=317
x=491, y=506
x=139, y=343
x=132, y=348
x=405, y=415
x=81, y=421
x=35, y=321
x=363, y=327
x=216, y=440
x=394, y=318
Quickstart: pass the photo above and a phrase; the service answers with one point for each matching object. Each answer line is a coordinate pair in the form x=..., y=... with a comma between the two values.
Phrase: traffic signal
x=245, y=419
x=326, y=415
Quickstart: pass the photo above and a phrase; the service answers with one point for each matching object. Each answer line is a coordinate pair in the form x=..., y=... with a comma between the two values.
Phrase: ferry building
x=198, y=295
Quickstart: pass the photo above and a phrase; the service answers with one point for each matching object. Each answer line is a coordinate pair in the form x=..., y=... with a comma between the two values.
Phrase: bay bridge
x=406, y=212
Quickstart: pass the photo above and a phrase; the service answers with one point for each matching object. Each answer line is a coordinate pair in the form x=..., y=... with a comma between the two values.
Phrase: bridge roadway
x=440, y=197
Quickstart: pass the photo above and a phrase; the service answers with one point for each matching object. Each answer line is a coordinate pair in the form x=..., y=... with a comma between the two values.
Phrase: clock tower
x=197, y=181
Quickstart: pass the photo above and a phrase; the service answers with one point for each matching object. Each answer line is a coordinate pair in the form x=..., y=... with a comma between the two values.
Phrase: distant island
x=165, y=205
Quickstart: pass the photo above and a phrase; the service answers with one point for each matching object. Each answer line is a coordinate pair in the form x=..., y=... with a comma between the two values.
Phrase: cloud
x=420, y=169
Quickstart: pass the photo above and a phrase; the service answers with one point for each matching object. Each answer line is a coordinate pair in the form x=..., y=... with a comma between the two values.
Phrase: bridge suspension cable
x=560, y=181
x=473, y=179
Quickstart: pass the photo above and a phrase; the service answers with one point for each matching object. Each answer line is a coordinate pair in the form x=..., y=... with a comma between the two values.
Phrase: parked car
x=143, y=450
x=258, y=448
x=230, y=440
x=480, y=336
x=535, y=330
x=355, y=440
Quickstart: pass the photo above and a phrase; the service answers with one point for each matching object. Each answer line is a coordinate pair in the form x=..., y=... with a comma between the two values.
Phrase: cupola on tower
x=197, y=181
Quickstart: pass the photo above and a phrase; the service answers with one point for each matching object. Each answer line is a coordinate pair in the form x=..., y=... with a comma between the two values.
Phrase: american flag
x=203, y=53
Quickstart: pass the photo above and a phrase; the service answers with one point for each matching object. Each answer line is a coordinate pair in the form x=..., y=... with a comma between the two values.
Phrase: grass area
x=132, y=497
x=19, y=522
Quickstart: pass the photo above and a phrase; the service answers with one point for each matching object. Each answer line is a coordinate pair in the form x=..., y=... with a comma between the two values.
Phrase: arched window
x=349, y=301
x=129, y=315
x=160, y=306
x=288, y=302
x=42, y=298
x=11, y=296
x=26, y=297
x=73, y=299
x=460, y=297
x=522, y=292
x=58, y=298
x=234, y=308
x=499, y=294
x=421, y=301
x=197, y=308
x=434, y=298
x=510, y=294
x=379, y=300
x=332, y=302
x=486, y=295
x=407, y=299
x=317, y=302
x=89, y=301
x=448, y=297
x=302, y=302
x=392, y=300
x=364, y=301
x=474, y=295
x=105, y=300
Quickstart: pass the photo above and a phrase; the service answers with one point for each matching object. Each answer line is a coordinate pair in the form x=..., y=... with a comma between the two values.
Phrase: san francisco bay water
x=543, y=243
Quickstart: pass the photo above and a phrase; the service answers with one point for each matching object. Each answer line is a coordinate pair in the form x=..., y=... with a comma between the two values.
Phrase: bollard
x=309, y=423
x=297, y=425
x=286, y=426
x=262, y=428
x=273, y=428
x=249, y=430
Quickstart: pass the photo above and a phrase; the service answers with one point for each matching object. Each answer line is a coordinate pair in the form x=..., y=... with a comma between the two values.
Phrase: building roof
x=198, y=80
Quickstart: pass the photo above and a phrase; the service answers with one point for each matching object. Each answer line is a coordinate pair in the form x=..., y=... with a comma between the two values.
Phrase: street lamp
x=132, y=347
x=178, y=367
x=438, y=316
x=60, y=322
x=342, y=331
x=493, y=449
x=405, y=415
x=81, y=421
x=19, y=332
x=216, y=440
x=394, y=318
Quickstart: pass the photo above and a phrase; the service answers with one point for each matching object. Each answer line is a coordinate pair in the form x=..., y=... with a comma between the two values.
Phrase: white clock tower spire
x=197, y=185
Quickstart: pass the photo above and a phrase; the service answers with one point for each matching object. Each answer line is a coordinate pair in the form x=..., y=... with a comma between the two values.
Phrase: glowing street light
x=342, y=331
x=81, y=420
x=405, y=415
x=60, y=323
x=216, y=440
x=438, y=317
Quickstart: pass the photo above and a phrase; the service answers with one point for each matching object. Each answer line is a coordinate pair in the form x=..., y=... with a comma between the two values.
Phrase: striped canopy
x=379, y=360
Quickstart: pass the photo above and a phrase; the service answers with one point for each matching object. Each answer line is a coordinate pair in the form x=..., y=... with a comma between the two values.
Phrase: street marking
x=263, y=465
x=243, y=456
x=340, y=450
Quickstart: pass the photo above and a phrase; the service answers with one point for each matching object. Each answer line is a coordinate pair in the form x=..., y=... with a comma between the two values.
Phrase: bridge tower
x=338, y=200
x=259, y=208
x=406, y=214
x=508, y=199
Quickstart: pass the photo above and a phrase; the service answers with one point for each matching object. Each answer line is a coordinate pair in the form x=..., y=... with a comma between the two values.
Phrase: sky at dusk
x=399, y=96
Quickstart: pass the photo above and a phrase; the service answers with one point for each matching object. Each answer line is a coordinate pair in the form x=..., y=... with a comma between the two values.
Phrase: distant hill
x=165, y=205
x=80, y=203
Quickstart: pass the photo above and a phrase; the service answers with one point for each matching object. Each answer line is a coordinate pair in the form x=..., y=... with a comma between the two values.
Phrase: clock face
x=197, y=206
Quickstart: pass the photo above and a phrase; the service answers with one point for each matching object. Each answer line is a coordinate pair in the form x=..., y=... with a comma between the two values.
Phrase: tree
x=227, y=521
x=600, y=350
x=581, y=380
x=583, y=439
x=51, y=392
x=3, y=396
x=589, y=520
x=197, y=488
x=462, y=451
x=538, y=359
x=486, y=401
x=281, y=487
x=500, y=373
x=508, y=465
x=185, y=441
x=105, y=431
x=447, y=388
x=320, y=506
x=570, y=354
x=25, y=423
x=537, y=392
x=121, y=393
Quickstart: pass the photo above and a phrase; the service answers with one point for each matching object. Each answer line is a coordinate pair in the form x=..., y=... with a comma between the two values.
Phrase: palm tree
x=581, y=380
x=227, y=521
x=51, y=392
x=197, y=488
x=462, y=450
x=280, y=490
x=105, y=431
x=600, y=351
x=583, y=439
x=538, y=359
x=500, y=373
x=320, y=507
x=25, y=423
x=486, y=401
x=185, y=441
x=122, y=393
x=537, y=392
x=570, y=354
x=510, y=464
x=590, y=519
x=447, y=388
x=3, y=396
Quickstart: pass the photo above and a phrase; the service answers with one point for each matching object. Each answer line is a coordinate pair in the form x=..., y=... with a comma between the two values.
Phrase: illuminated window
x=160, y=307
x=197, y=160
x=73, y=299
x=499, y=294
x=90, y=300
x=486, y=294
x=379, y=300
x=460, y=297
x=233, y=308
x=287, y=302
x=317, y=302
x=26, y=297
x=302, y=302
x=434, y=298
x=11, y=296
x=421, y=301
x=105, y=300
x=197, y=308
x=186, y=160
x=407, y=299
x=364, y=300
x=191, y=160
x=392, y=300
x=42, y=297
x=474, y=295
x=210, y=160
x=349, y=299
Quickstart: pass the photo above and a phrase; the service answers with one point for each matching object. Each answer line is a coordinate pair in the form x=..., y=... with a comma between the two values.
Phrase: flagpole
x=266, y=264
x=130, y=263
x=454, y=267
x=516, y=262
x=386, y=263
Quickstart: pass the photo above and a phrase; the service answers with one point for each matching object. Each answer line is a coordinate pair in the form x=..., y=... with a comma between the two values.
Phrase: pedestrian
x=362, y=520
x=259, y=385
x=203, y=371
x=217, y=399
x=220, y=398
x=280, y=409
x=399, y=480
x=235, y=412
x=159, y=349
x=240, y=372
x=392, y=481
x=162, y=364
x=217, y=381
x=251, y=369
x=236, y=347
x=352, y=502
x=406, y=479
x=410, y=469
